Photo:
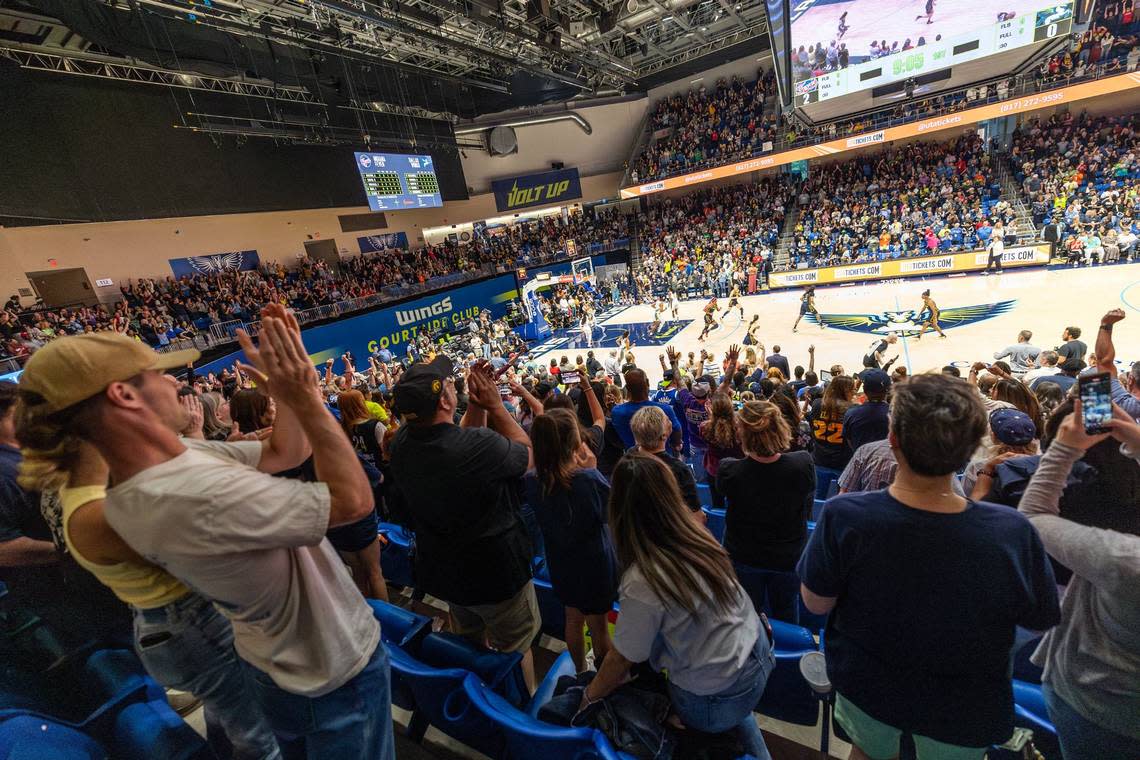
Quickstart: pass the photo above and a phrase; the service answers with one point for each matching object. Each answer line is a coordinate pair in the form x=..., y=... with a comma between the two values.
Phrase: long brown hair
x=1017, y=393
x=653, y=530
x=555, y=437
x=352, y=409
x=718, y=430
x=837, y=397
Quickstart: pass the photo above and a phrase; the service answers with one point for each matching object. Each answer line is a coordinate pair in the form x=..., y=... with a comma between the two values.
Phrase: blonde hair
x=649, y=425
x=49, y=446
x=763, y=429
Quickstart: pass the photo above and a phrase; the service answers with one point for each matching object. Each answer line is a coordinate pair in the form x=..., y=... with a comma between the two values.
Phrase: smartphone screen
x=1096, y=402
x=569, y=378
x=504, y=390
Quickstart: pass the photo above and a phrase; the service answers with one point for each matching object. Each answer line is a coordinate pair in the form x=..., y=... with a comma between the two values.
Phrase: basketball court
x=980, y=315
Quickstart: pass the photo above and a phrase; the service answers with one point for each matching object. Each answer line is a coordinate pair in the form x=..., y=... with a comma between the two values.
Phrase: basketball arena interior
x=349, y=346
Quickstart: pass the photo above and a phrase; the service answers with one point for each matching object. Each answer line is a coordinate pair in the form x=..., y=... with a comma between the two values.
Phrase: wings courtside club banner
x=231, y=261
x=544, y=189
x=383, y=242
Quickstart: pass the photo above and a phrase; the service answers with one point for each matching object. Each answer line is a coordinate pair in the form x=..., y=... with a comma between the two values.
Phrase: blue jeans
x=354, y=721
x=1080, y=738
x=188, y=645
x=732, y=708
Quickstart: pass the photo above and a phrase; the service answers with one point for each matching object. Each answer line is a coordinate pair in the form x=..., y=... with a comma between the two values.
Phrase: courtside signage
x=970, y=261
x=395, y=327
x=537, y=189
x=1049, y=99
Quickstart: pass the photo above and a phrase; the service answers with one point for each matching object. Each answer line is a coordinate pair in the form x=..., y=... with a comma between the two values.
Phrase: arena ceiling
x=324, y=63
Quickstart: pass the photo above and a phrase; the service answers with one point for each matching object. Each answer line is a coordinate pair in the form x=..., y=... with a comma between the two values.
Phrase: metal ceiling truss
x=105, y=67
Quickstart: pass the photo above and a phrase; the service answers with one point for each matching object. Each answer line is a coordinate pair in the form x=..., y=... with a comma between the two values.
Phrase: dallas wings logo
x=218, y=262
x=907, y=322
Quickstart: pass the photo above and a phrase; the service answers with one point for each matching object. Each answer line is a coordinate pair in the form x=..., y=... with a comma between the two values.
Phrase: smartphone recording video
x=569, y=377
x=1096, y=402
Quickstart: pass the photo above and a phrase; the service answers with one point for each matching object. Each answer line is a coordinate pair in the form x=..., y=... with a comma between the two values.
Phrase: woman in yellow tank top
x=183, y=642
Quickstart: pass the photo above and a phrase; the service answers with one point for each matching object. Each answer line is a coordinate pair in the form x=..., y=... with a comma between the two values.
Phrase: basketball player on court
x=930, y=319
x=674, y=303
x=658, y=310
x=807, y=304
x=750, y=338
x=873, y=359
x=710, y=318
x=734, y=300
x=996, y=248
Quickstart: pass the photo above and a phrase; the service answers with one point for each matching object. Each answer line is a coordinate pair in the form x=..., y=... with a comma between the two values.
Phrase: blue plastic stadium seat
x=396, y=559
x=788, y=697
x=526, y=737
x=28, y=737
x=146, y=730
x=440, y=701
x=562, y=666
x=400, y=627
x=501, y=671
x=715, y=522
x=824, y=477
x=704, y=494
x=1029, y=709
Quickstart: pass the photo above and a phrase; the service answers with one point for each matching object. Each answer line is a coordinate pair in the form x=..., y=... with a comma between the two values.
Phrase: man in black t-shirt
x=1072, y=353
x=461, y=485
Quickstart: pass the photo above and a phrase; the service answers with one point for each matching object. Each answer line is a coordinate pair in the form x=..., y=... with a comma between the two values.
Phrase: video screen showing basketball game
x=839, y=47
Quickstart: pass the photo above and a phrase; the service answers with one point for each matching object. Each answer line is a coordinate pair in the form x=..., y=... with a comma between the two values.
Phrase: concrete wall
x=122, y=250
x=605, y=149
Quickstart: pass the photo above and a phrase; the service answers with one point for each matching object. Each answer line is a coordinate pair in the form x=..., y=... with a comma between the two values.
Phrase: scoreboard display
x=397, y=181
x=962, y=38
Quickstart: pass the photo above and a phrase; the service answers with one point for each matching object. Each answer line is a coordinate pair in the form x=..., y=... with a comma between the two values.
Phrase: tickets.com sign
x=544, y=189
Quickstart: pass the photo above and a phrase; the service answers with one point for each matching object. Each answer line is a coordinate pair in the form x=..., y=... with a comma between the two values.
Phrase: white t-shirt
x=703, y=653
x=255, y=545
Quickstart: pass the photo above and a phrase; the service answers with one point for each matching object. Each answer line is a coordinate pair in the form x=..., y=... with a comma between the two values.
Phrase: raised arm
x=282, y=362
x=483, y=392
x=1104, y=349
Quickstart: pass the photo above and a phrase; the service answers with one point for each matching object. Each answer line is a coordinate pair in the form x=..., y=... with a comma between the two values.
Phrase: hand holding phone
x=1096, y=402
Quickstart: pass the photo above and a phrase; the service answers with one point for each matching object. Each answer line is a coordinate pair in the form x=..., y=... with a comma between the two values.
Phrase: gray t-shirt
x=1019, y=355
x=255, y=545
x=703, y=652
x=1092, y=659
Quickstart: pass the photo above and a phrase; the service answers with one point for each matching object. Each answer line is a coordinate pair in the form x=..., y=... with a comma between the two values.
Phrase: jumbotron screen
x=843, y=47
x=396, y=181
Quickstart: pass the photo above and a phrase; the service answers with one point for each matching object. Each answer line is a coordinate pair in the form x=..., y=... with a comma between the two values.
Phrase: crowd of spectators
x=1081, y=176
x=1111, y=43
x=707, y=126
x=162, y=311
x=460, y=451
x=919, y=198
x=710, y=239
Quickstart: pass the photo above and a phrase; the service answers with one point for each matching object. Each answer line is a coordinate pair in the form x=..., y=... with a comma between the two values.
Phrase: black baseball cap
x=418, y=390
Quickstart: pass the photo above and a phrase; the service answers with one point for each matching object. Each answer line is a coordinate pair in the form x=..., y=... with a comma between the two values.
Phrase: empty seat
x=28, y=737
x=440, y=701
x=715, y=520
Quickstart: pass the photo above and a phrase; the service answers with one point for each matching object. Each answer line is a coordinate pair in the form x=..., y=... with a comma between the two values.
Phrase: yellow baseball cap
x=72, y=369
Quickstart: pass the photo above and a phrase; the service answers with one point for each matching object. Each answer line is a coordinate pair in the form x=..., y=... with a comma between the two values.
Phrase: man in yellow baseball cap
x=212, y=515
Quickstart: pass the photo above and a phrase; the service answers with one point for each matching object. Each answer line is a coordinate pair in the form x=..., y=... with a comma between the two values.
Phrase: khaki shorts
x=509, y=626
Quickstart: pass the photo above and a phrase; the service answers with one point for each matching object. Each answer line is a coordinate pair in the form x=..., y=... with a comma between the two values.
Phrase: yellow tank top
x=139, y=584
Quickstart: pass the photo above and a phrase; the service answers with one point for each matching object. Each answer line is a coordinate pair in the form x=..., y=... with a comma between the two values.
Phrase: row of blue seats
x=130, y=718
